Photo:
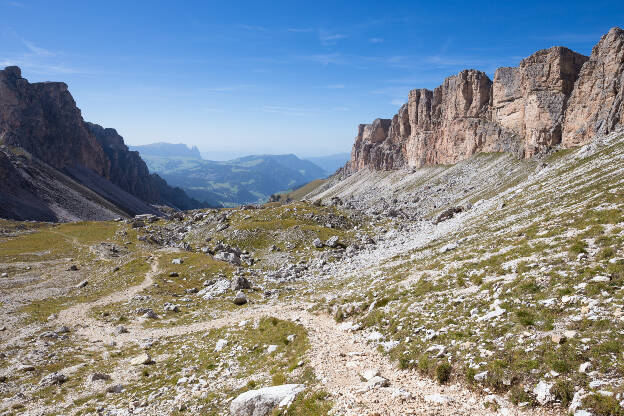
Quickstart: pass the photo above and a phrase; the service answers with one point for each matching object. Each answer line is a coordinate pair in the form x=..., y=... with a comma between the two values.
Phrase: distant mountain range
x=168, y=149
x=244, y=180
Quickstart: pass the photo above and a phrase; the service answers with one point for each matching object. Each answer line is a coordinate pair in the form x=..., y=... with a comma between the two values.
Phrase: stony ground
x=490, y=287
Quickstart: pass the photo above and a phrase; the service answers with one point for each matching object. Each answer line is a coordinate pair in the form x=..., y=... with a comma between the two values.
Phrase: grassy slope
x=522, y=257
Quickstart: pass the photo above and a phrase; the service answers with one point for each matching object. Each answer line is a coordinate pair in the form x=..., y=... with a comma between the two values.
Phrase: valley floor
x=509, y=303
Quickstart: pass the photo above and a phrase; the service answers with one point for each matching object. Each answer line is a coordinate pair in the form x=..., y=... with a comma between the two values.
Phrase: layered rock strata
x=555, y=97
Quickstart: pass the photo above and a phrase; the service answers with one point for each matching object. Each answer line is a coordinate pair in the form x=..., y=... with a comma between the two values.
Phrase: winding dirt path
x=338, y=358
x=91, y=328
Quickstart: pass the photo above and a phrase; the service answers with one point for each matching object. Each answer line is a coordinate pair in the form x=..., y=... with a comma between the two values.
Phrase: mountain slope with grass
x=493, y=286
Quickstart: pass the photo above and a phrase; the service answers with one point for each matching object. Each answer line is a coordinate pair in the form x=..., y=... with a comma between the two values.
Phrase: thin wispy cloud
x=328, y=38
x=376, y=40
x=37, y=60
x=39, y=68
x=37, y=50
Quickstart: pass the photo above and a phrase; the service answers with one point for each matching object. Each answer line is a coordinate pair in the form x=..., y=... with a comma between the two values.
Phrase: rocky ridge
x=44, y=123
x=555, y=97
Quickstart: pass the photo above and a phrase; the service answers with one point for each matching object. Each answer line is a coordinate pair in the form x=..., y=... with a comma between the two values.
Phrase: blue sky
x=245, y=77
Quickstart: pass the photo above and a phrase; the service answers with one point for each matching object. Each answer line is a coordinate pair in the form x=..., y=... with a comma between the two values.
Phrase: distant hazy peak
x=168, y=150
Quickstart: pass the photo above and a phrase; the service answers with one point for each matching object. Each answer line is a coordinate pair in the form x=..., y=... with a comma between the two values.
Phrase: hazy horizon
x=285, y=78
x=217, y=155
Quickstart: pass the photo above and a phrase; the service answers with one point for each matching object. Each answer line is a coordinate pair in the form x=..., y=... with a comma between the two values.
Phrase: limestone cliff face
x=597, y=102
x=43, y=119
x=554, y=97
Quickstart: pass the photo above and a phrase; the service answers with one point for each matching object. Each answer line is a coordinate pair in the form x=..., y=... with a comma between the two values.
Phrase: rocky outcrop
x=554, y=97
x=529, y=101
x=43, y=120
x=596, y=105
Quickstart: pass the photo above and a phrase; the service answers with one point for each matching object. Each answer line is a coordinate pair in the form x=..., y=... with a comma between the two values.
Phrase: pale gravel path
x=337, y=357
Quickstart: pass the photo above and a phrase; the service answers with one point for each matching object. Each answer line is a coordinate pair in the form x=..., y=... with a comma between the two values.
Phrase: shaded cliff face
x=42, y=119
x=127, y=169
x=553, y=97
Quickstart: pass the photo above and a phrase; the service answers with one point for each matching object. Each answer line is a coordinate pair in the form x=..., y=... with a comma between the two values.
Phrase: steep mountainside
x=249, y=179
x=43, y=121
x=555, y=97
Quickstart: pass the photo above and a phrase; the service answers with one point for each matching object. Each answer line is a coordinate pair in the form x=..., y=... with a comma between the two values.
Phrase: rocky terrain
x=41, y=130
x=493, y=286
x=554, y=98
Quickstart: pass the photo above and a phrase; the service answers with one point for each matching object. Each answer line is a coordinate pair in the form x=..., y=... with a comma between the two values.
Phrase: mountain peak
x=165, y=149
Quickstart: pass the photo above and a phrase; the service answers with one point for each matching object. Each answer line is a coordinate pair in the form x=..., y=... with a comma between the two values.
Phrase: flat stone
x=263, y=401
x=369, y=373
x=142, y=359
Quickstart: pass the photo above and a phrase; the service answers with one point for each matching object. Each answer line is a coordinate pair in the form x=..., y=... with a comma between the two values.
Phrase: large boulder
x=263, y=401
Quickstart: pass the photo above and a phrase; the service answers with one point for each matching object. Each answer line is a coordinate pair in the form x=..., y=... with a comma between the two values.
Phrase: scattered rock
x=438, y=398
x=332, y=242
x=542, y=392
x=377, y=381
x=26, y=368
x=481, y=376
x=82, y=284
x=220, y=345
x=317, y=243
x=62, y=329
x=142, y=359
x=115, y=388
x=263, y=401
x=171, y=307
x=239, y=283
x=99, y=377
x=448, y=214
x=240, y=299
x=54, y=378
x=120, y=330
x=368, y=374
x=228, y=257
